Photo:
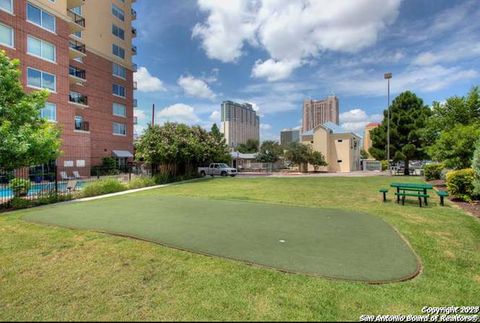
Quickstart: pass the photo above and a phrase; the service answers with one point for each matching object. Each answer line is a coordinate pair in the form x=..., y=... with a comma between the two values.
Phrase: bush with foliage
x=433, y=171
x=384, y=164
x=20, y=203
x=460, y=184
x=104, y=186
x=270, y=152
x=20, y=186
x=316, y=159
x=108, y=167
x=476, y=169
x=140, y=182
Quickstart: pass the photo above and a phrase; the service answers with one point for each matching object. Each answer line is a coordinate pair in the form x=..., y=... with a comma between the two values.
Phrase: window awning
x=122, y=153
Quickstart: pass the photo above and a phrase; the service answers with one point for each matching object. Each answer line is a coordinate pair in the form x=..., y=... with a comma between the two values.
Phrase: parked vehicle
x=220, y=169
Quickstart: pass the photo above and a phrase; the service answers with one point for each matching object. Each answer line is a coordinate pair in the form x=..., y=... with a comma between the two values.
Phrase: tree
x=270, y=152
x=216, y=132
x=364, y=154
x=298, y=154
x=408, y=116
x=316, y=159
x=251, y=146
x=178, y=149
x=25, y=138
x=455, y=147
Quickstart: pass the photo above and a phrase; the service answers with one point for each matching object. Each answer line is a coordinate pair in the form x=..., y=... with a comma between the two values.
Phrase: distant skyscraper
x=367, y=139
x=239, y=123
x=287, y=136
x=317, y=112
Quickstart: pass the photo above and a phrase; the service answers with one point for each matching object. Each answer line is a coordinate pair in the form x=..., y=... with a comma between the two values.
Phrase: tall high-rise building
x=81, y=52
x=239, y=123
x=287, y=136
x=318, y=112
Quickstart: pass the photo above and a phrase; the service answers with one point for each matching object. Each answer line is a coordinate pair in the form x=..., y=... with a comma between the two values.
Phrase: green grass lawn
x=51, y=273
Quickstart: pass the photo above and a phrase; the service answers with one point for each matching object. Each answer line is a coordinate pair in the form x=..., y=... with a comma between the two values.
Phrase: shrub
x=476, y=169
x=384, y=164
x=20, y=186
x=433, y=171
x=460, y=183
x=104, y=186
x=53, y=198
x=19, y=203
x=140, y=182
x=163, y=178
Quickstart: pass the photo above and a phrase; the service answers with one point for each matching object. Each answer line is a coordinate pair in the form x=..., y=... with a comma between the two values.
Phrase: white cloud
x=292, y=32
x=274, y=70
x=355, y=120
x=418, y=79
x=265, y=126
x=178, y=112
x=195, y=87
x=215, y=117
x=146, y=82
x=227, y=27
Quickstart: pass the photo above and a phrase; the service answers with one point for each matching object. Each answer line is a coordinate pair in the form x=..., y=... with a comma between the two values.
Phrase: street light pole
x=388, y=76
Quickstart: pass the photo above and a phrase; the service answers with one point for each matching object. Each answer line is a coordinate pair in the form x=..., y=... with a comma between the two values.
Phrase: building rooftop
x=372, y=124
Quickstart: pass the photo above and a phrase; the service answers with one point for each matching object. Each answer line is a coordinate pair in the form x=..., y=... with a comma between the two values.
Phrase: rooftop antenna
x=153, y=114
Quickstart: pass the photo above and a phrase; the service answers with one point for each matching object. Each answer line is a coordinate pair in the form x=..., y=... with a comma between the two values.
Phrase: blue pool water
x=6, y=193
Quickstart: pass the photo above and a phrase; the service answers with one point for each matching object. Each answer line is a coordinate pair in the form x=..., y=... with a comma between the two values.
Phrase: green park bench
x=419, y=195
x=384, y=191
x=442, y=195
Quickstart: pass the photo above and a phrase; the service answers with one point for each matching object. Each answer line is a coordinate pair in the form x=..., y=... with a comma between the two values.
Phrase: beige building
x=317, y=112
x=341, y=149
x=367, y=140
x=239, y=123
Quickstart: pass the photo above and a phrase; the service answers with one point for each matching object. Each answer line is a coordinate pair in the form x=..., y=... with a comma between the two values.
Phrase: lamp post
x=388, y=76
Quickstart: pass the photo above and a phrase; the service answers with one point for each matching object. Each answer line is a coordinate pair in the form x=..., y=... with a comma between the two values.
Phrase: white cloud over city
x=147, y=82
x=195, y=87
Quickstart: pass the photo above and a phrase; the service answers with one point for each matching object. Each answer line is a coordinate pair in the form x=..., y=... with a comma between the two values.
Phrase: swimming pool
x=35, y=189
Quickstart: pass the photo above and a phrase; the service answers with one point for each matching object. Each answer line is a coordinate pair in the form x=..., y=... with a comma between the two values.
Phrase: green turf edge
x=411, y=276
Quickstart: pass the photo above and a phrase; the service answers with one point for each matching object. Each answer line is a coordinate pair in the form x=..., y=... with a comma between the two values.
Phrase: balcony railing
x=135, y=120
x=135, y=105
x=78, y=46
x=134, y=32
x=78, y=98
x=134, y=67
x=134, y=50
x=134, y=14
x=82, y=125
x=135, y=85
x=77, y=72
x=79, y=20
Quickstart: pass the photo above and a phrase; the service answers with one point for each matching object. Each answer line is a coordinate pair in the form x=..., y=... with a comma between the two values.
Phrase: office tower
x=318, y=112
x=239, y=123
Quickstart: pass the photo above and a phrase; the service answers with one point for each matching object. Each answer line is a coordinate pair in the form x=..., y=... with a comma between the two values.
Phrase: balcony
x=81, y=125
x=76, y=49
x=78, y=98
x=134, y=14
x=135, y=85
x=135, y=120
x=74, y=3
x=134, y=50
x=134, y=67
x=134, y=32
x=77, y=22
x=135, y=105
x=76, y=75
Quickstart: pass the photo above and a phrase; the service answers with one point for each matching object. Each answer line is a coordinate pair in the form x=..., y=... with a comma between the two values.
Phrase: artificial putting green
x=326, y=242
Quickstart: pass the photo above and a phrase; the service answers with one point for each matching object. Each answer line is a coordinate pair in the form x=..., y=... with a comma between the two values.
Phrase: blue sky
x=192, y=55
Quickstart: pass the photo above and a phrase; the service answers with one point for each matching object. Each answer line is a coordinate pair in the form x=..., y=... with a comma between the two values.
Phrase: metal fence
x=44, y=183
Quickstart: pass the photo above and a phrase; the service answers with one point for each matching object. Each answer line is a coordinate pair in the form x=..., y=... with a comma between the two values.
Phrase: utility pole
x=388, y=76
x=153, y=114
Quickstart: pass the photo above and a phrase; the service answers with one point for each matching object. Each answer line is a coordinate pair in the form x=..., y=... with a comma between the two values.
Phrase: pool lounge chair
x=76, y=175
x=64, y=176
x=71, y=185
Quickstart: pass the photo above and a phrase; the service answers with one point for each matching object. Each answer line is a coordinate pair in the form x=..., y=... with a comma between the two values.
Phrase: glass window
x=119, y=128
x=119, y=32
x=49, y=112
x=41, y=48
x=6, y=5
x=118, y=51
x=117, y=12
x=6, y=35
x=119, y=110
x=40, y=17
x=41, y=79
x=119, y=71
x=118, y=90
x=77, y=10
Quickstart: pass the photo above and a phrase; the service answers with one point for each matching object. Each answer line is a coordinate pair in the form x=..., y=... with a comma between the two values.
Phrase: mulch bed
x=472, y=208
